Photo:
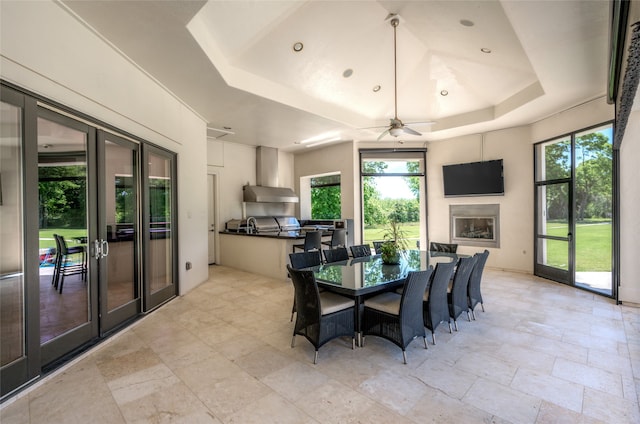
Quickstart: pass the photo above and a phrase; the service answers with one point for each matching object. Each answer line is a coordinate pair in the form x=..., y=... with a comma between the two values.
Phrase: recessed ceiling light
x=376, y=88
x=347, y=73
x=298, y=46
x=485, y=50
x=444, y=93
x=466, y=22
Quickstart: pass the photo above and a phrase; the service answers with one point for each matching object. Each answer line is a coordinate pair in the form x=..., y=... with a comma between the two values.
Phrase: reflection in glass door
x=67, y=296
x=119, y=270
x=13, y=330
x=159, y=224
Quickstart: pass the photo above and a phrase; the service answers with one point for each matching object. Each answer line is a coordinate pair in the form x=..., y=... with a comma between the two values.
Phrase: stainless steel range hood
x=265, y=190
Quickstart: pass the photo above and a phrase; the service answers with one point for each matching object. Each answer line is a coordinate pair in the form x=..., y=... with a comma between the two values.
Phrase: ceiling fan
x=396, y=127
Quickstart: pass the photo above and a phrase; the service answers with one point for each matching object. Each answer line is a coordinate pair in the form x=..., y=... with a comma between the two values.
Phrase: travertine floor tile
x=221, y=354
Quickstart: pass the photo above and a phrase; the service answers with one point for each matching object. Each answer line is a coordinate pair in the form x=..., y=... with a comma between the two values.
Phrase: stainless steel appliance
x=236, y=225
x=263, y=224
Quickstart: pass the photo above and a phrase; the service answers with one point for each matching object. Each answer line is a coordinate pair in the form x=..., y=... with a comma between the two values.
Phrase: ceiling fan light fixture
x=395, y=131
x=298, y=46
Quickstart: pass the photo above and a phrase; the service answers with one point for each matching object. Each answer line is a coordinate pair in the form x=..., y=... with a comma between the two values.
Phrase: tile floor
x=541, y=353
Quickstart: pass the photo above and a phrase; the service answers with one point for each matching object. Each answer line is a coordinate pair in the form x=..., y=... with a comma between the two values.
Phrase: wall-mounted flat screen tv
x=473, y=179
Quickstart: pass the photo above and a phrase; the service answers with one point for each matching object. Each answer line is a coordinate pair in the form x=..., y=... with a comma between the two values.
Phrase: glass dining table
x=359, y=278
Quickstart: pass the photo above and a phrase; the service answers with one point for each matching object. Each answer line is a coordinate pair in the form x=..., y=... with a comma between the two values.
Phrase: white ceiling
x=232, y=62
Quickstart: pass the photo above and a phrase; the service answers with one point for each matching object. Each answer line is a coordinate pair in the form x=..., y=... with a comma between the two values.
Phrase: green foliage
x=593, y=177
x=325, y=202
x=395, y=235
x=370, y=195
x=413, y=182
x=62, y=191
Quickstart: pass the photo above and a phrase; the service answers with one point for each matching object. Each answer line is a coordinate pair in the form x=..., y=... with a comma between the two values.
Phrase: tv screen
x=473, y=179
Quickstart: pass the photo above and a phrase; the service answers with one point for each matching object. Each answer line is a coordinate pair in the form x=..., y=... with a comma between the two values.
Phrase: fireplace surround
x=475, y=225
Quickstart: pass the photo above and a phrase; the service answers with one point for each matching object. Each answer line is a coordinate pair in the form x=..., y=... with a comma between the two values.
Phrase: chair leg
x=433, y=336
x=315, y=358
x=353, y=343
x=293, y=340
x=404, y=356
x=425, y=342
x=468, y=316
x=482, y=304
x=455, y=324
x=450, y=331
x=473, y=314
x=293, y=310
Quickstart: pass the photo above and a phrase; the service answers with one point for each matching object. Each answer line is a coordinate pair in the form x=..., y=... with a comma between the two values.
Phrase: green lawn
x=593, y=246
x=46, y=236
x=411, y=230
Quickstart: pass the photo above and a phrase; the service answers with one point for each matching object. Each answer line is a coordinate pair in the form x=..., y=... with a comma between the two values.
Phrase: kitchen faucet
x=249, y=228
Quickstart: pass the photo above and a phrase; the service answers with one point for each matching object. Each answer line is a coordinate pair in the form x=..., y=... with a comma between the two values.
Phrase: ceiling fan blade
x=421, y=123
x=410, y=131
x=381, y=136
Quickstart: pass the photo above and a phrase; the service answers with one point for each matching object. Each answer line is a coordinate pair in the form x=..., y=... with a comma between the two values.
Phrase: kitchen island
x=260, y=253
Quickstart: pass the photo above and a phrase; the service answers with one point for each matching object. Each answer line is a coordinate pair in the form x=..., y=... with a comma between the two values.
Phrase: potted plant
x=394, y=243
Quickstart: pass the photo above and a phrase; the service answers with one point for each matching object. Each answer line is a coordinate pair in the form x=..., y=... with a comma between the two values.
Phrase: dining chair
x=312, y=241
x=457, y=297
x=474, y=296
x=377, y=246
x=303, y=260
x=434, y=305
x=338, y=239
x=322, y=316
x=360, y=250
x=336, y=255
x=65, y=264
x=398, y=317
x=443, y=247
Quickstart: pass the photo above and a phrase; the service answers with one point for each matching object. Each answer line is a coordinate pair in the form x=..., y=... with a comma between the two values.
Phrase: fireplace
x=475, y=225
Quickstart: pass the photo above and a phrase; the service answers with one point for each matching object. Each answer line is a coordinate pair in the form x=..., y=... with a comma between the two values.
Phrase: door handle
x=104, y=249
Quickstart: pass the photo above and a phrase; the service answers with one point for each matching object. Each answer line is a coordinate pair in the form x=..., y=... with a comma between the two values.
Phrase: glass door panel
x=119, y=281
x=67, y=303
x=553, y=231
x=160, y=237
x=12, y=289
x=594, y=209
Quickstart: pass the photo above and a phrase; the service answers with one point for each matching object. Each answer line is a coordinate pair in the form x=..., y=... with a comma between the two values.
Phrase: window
x=325, y=197
x=393, y=188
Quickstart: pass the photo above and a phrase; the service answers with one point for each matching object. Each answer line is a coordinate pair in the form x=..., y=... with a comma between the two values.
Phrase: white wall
x=46, y=50
x=630, y=210
x=516, y=206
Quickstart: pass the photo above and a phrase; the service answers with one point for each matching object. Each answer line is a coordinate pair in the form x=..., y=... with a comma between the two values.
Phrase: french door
x=110, y=201
x=118, y=241
x=574, y=209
